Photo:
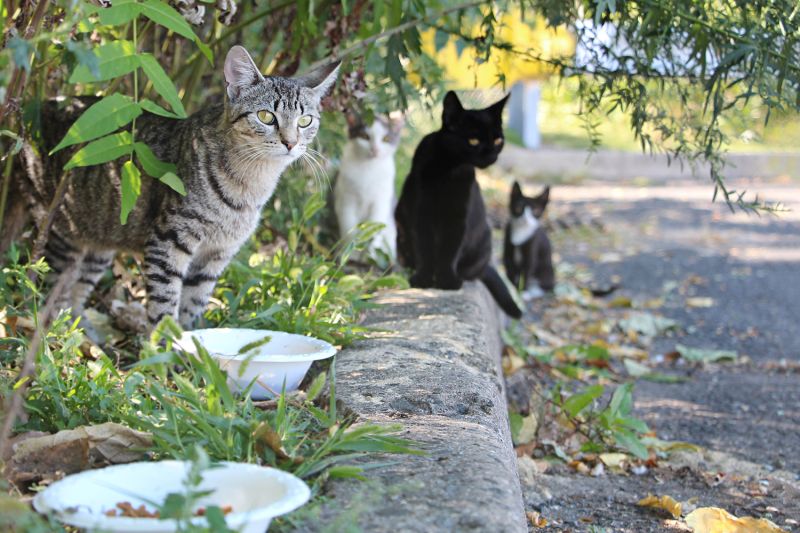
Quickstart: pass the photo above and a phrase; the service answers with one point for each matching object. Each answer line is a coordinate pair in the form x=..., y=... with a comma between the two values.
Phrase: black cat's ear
x=516, y=191
x=452, y=108
x=497, y=107
x=240, y=71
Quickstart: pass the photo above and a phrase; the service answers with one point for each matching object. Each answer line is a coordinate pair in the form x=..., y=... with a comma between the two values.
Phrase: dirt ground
x=741, y=273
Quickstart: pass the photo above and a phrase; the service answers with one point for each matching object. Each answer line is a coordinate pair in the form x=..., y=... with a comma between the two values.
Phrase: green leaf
x=131, y=188
x=102, y=118
x=173, y=182
x=21, y=51
x=316, y=386
x=152, y=165
x=121, y=12
x=114, y=59
x=102, y=150
x=17, y=140
x=346, y=471
x=161, y=13
x=628, y=440
x=440, y=39
x=161, y=82
x=622, y=400
x=85, y=56
x=154, y=108
x=578, y=402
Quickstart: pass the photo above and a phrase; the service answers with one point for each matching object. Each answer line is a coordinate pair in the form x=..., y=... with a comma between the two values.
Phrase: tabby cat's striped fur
x=230, y=161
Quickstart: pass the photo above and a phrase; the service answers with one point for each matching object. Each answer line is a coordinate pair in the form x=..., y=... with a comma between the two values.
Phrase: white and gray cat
x=365, y=184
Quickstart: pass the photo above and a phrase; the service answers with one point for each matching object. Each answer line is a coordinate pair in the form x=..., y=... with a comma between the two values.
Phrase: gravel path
x=749, y=267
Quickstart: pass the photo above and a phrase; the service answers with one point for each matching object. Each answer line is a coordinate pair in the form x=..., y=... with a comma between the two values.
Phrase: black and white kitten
x=442, y=231
x=527, y=253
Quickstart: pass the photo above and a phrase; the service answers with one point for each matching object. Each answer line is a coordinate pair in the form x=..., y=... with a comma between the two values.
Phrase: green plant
x=300, y=288
x=612, y=426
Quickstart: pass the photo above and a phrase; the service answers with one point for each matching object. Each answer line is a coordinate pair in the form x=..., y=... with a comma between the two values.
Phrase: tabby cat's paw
x=421, y=280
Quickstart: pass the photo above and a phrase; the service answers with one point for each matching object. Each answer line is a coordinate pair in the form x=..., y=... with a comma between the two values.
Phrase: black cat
x=442, y=232
x=527, y=253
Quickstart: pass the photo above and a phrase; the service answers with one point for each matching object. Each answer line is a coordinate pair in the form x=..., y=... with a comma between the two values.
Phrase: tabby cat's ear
x=240, y=71
x=321, y=79
x=452, y=108
x=497, y=108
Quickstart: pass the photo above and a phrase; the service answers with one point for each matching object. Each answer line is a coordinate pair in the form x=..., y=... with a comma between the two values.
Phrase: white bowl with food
x=266, y=359
x=94, y=500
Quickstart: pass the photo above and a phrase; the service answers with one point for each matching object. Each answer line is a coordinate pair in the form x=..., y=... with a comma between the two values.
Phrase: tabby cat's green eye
x=266, y=117
x=473, y=142
x=304, y=121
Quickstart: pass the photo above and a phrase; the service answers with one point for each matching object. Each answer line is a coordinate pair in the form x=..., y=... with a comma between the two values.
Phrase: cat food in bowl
x=91, y=500
x=268, y=357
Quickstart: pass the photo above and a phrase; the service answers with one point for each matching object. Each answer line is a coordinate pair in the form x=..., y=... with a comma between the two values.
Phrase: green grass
x=184, y=401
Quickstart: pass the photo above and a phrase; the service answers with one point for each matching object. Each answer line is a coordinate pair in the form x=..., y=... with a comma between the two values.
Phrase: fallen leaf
x=614, y=460
x=511, y=363
x=528, y=429
x=716, y=520
x=620, y=301
x=646, y=324
x=73, y=450
x=536, y=519
x=270, y=437
x=665, y=503
x=701, y=355
x=699, y=301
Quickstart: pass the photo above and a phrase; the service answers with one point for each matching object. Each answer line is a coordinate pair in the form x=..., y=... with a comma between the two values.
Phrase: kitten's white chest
x=523, y=227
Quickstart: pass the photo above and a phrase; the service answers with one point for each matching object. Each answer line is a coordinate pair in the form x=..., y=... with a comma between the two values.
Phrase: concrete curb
x=437, y=372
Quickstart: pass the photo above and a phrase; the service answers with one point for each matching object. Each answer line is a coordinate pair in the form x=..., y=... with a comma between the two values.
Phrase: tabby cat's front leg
x=165, y=265
x=199, y=281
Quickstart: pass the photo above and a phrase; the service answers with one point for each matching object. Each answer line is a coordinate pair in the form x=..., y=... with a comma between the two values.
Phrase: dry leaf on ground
x=700, y=301
x=716, y=520
x=665, y=503
x=700, y=355
x=49, y=456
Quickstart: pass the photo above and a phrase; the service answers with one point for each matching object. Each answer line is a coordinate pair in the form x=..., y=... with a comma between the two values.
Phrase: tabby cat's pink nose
x=288, y=145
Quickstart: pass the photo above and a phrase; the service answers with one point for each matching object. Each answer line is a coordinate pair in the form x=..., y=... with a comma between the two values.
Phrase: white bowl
x=256, y=493
x=285, y=358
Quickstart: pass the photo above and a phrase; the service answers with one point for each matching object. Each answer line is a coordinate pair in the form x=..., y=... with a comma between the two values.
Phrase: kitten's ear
x=396, y=121
x=240, y=71
x=497, y=107
x=321, y=79
x=452, y=108
x=540, y=202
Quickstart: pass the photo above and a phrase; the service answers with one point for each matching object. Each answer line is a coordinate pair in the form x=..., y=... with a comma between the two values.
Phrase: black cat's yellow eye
x=473, y=142
x=498, y=141
x=267, y=117
x=304, y=121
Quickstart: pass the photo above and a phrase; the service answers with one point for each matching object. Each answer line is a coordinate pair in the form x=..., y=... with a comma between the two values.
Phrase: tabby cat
x=229, y=156
x=442, y=231
x=527, y=253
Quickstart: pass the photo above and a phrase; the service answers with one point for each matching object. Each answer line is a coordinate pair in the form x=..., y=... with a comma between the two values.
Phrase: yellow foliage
x=665, y=503
x=466, y=71
x=716, y=520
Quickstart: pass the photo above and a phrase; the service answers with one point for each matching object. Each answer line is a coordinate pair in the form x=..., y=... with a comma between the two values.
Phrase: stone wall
x=435, y=370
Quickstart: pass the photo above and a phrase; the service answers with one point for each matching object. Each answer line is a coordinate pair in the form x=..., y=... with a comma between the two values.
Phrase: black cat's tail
x=500, y=293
